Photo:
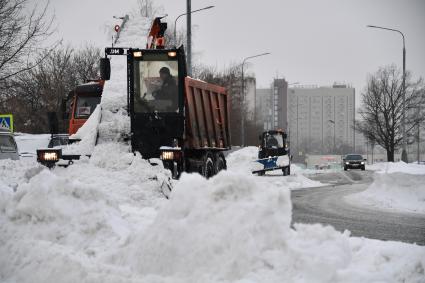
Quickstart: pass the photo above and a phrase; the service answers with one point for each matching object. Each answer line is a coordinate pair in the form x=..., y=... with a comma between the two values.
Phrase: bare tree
x=148, y=9
x=178, y=40
x=21, y=35
x=230, y=78
x=382, y=109
x=86, y=63
x=40, y=90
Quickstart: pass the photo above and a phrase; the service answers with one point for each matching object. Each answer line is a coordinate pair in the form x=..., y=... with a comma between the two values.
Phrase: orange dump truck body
x=207, y=116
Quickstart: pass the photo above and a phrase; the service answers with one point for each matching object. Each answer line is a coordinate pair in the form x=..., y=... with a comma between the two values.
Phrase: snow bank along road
x=325, y=205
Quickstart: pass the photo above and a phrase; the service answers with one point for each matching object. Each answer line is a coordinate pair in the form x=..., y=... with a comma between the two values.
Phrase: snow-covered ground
x=399, y=167
x=106, y=219
x=396, y=187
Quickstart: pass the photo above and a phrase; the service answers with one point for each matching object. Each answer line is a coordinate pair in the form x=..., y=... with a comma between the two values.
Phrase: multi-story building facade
x=321, y=120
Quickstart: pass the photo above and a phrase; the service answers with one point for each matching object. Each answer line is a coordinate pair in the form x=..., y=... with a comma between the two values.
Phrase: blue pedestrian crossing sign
x=6, y=122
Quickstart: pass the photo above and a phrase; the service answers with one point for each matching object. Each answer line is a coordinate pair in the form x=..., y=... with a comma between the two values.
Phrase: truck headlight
x=167, y=155
x=48, y=155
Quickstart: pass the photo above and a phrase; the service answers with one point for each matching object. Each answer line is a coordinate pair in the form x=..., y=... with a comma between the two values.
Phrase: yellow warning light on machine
x=172, y=54
x=137, y=53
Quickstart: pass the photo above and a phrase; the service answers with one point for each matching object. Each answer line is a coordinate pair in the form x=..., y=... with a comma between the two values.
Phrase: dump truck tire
x=208, y=166
x=220, y=163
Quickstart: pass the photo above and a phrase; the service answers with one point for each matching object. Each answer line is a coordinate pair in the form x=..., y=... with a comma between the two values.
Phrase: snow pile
x=15, y=172
x=63, y=225
x=236, y=228
x=394, y=191
x=397, y=186
x=105, y=219
x=87, y=134
x=243, y=161
x=212, y=230
x=111, y=122
x=28, y=144
x=392, y=167
x=115, y=121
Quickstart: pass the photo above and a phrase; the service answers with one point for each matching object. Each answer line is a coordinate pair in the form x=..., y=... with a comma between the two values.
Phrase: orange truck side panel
x=75, y=124
x=207, y=115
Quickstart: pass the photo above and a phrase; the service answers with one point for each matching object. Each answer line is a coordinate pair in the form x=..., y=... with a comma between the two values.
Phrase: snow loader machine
x=182, y=121
x=273, y=153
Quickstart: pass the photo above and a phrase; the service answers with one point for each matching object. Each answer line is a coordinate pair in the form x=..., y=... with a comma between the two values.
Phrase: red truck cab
x=84, y=99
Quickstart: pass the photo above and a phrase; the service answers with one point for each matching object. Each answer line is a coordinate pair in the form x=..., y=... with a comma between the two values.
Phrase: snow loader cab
x=156, y=99
x=273, y=152
x=273, y=143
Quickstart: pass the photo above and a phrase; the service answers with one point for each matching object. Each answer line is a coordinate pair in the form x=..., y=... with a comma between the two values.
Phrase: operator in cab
x=272, y=142
x=168, y=90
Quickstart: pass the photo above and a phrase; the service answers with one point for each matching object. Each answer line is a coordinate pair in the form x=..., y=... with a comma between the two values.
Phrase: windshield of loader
x=274, y=140
x=156, y=86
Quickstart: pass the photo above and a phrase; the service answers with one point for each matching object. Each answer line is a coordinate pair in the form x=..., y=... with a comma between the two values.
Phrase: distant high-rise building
x=280, y=103
x=264, y=107
x=249, y=85
x=271, y=105
x=321, y=120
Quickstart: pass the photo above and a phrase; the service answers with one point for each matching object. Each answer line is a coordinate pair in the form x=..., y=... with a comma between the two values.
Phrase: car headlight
x=347, y=163
x=362, y=163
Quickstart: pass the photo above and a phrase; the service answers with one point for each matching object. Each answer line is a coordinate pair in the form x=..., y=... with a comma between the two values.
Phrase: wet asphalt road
x=326, y=205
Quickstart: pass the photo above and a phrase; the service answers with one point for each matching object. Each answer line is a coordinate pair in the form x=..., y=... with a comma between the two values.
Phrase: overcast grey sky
x=312, y=41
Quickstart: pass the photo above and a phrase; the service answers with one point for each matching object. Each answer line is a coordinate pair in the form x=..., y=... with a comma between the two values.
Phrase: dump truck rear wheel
x=208, y=166
x=220, y=163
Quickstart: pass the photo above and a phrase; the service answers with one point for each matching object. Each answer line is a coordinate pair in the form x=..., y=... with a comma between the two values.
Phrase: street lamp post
x=184, y=14
x=189, y=37
x=403, y=122
x=189, y=12
x=243, y=96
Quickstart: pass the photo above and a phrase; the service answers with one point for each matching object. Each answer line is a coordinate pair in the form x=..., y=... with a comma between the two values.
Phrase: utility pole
x=419, y=137
x=403, y=119
x=189, y=37
x=184, y=14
